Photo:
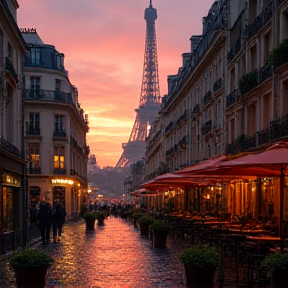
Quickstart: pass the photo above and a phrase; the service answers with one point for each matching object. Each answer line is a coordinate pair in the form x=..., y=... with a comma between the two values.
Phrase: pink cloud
x=103, y=43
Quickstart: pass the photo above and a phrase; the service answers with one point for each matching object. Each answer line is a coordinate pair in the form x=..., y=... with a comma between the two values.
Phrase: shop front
x=11, y=208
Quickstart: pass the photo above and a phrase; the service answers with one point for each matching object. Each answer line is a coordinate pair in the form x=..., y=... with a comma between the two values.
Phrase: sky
x=103, y=42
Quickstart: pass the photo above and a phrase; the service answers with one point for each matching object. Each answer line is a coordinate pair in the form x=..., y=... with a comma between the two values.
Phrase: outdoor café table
x=249, y=231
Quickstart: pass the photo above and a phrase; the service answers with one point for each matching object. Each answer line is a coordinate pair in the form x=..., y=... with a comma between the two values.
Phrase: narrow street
x=115, y=255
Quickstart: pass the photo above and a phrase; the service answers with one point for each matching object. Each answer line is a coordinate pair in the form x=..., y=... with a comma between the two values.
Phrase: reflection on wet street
x=115, y=255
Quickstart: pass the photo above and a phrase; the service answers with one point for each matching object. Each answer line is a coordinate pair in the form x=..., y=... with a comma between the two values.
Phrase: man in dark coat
x=44, y=219
x=58, y=220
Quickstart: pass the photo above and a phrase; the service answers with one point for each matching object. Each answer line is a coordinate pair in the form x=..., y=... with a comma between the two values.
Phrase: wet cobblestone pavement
x=115, y=256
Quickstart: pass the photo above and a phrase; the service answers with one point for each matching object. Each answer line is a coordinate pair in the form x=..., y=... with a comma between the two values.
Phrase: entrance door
x=59, y=195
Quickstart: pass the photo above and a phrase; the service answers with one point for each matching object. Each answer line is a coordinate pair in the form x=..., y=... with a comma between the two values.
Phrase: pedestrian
x=44, y=219
x=58, y=220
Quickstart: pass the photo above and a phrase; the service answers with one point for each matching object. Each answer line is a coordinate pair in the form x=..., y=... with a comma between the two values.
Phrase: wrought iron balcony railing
x=259, y=22
x=10, y=148
x=32, y=131
x=59, y=133
x=48, y=95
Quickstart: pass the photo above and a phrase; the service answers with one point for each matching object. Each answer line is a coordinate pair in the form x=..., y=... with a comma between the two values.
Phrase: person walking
x=58, y=220
x=44, y=219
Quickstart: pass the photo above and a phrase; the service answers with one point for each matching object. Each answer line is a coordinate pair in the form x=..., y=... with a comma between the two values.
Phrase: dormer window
x=35, y=56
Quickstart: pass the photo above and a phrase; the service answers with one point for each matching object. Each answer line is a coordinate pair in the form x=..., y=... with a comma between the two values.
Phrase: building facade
x=228, y=98
x=55, y=128
x=12, y=162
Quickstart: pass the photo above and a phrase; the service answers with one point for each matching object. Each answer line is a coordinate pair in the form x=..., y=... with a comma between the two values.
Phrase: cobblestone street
x=115, y=255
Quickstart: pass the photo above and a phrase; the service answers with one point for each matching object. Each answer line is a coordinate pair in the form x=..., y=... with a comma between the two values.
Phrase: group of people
x=47, y=218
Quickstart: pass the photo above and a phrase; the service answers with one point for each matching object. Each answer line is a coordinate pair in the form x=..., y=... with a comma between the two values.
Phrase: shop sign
x=62, y=181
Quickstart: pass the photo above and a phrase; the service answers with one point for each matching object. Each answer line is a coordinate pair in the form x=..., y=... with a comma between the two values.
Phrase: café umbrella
x=274, y=158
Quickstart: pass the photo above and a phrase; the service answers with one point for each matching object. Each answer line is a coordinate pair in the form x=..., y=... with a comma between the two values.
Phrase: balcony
x=242, y=143
x=59, y=133
x=32, y=131
x=279, y=55
x=277, y=130
x=218, y=85
x=34, y=170
x=48, y=95
x=259, y=22
x=232, y=98
x=206, y=128
x=251, y=80
x=10, y=148
x=60, y=171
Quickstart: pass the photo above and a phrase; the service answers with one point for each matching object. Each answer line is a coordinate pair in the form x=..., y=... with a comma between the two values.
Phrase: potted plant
x=100, y=216
x=144, y=223
x=278, y=264
x=90, y=218
x=30, y=267
x=160, y=230
x=200, y=263
x=137, y=215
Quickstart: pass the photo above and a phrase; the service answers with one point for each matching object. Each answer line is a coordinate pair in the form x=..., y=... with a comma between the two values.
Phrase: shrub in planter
x=90, y=218
x=278, y=263
x=100, y=216
x=30, y=266
x=160, y=230
x=144, y=223
x=200, y=264
x=136, y=215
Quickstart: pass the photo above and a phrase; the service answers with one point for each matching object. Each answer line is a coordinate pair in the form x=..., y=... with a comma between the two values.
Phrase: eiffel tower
x=150, y=99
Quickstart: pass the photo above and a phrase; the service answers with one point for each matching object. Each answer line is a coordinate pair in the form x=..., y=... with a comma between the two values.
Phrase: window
x=59, y=123
x=57, y=85
x=59, y=157
x=33, y=126
x=34, y=158
x=35, y=56
x=35, y=86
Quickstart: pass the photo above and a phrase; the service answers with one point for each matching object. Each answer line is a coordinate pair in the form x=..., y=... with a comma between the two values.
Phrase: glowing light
x=62, y=181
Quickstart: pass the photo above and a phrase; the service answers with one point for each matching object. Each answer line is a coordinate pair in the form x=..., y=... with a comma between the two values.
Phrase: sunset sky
x=103, y=42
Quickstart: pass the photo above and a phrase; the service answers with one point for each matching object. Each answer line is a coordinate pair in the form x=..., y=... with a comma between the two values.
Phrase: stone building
x=12, y=162
x=228, y=98
x=55, y=128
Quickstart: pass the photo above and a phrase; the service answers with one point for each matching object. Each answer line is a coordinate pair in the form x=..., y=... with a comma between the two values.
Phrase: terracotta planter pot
x=31, y=277
x=199, y=277
x=90, y=223
x=279, y=279
x=159, y=239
